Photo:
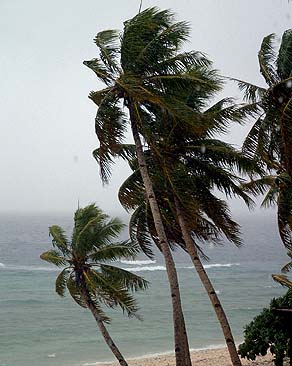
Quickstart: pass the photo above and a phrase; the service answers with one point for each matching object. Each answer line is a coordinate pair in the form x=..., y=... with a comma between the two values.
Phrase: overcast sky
x=47, y=121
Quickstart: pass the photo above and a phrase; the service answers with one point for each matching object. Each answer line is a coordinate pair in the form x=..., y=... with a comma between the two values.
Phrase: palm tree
x=151, y=75
x=185, y=169
x=270, y=139
x=89, y=279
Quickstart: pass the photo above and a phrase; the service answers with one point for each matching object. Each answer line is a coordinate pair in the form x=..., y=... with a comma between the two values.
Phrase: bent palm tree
x=151, y=74
x=185, y=168
x=270, y=139
x=90, y=281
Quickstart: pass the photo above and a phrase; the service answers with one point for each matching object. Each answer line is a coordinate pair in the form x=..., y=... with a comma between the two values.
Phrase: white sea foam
x=12, y=267
x=138, y=263
x=147, y=268
x=221, y=265
x=140, y=267
x=215, y=265
x=52, y=355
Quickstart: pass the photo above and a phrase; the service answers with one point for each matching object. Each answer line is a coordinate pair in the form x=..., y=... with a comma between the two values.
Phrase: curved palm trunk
x=221, y=316
x=109, y=341
x=182, y=353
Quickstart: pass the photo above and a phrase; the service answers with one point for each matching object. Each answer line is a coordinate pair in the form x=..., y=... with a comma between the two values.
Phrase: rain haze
x=47, y=121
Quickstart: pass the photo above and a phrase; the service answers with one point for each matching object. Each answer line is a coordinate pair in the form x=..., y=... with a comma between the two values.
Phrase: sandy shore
x=213, y=357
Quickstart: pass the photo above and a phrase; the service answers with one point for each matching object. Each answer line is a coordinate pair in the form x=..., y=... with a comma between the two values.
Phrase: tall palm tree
x=145, y=72
x=270, y=139
x=185, y=169
x=89, y=279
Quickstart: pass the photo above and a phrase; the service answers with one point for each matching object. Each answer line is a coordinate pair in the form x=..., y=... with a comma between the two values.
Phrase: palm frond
x=112, y=293
x=150, y=37
x=110, y=127
x=59, y=239
x=250, y=144
x=75, y=292
x=115, y=251
x=285, y=216
x=85, y=217
x=286, y=134
x=288, y=266
x=100, y=70
x=180, y=63
x=284, y=63
x=107, y=42
x=54, y=257
x=267, y=58
x=252, y=93
x=139, y=231
x=271, y=197
x=127, y=279
x=98, y=96
x=282, y=280
x=61, y=282
x=131, y=192
x=259, y=186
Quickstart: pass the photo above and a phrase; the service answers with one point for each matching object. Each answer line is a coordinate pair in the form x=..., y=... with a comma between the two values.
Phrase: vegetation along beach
x=176, y=249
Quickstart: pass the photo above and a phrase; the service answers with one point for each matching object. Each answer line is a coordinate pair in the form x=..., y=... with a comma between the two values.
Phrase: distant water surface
x=41, y=329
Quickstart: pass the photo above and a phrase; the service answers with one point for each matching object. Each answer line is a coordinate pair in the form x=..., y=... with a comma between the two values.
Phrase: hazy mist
x=47, y=121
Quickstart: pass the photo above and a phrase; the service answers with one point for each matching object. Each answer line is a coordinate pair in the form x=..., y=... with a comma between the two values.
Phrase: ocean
x=38, y=328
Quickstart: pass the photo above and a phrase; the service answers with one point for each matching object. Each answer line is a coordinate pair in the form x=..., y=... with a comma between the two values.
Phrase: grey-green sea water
x=38, y=328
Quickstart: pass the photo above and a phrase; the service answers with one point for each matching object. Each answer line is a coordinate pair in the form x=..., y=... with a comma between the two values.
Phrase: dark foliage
x=269, y=331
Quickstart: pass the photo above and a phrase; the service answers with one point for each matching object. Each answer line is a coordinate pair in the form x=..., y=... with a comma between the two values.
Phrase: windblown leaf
x=54, y=257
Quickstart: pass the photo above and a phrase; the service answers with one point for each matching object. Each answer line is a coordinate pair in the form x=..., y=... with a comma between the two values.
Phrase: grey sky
x=47, y=121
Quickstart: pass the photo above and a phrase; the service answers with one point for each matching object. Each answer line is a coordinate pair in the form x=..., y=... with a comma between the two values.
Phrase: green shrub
x=268, y=331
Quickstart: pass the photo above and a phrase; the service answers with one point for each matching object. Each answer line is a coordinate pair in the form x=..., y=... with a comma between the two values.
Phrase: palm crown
x=85, y=259
x=270, y=139
x=146, y=72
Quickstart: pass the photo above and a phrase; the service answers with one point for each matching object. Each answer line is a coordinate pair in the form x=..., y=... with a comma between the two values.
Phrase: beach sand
x=210, y=357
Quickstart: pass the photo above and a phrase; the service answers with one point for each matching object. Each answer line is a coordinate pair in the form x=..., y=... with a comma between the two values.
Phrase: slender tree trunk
x=192, y=250
x=109, y=341
x=182, y=353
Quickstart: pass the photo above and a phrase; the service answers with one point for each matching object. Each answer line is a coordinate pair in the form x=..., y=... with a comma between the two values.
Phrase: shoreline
x=216, y=356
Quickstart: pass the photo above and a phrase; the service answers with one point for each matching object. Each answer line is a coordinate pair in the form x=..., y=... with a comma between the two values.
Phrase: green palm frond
x=127, y=279
x=286, y=134
x=100, y=70
x=271, y=197
x=282, y=280
x=110, y=230
x=82, y=218
x=75, y=292
x=250, y=143
x=180, y=63
x=218, y=211
x=285, y=216
x=251, y=93
x=165, y=42
x=61, y=282
x=149, y=37
x=267, y=58
x=139, y=231
x=107, y=42
x=54, y=257
x=131, y=192
x=113, y=292
x=259, y=186
x=59, y=239
x=288, y=266
x=115, y=251
x=98, y=96
x=110, y=127
x=284, y=63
